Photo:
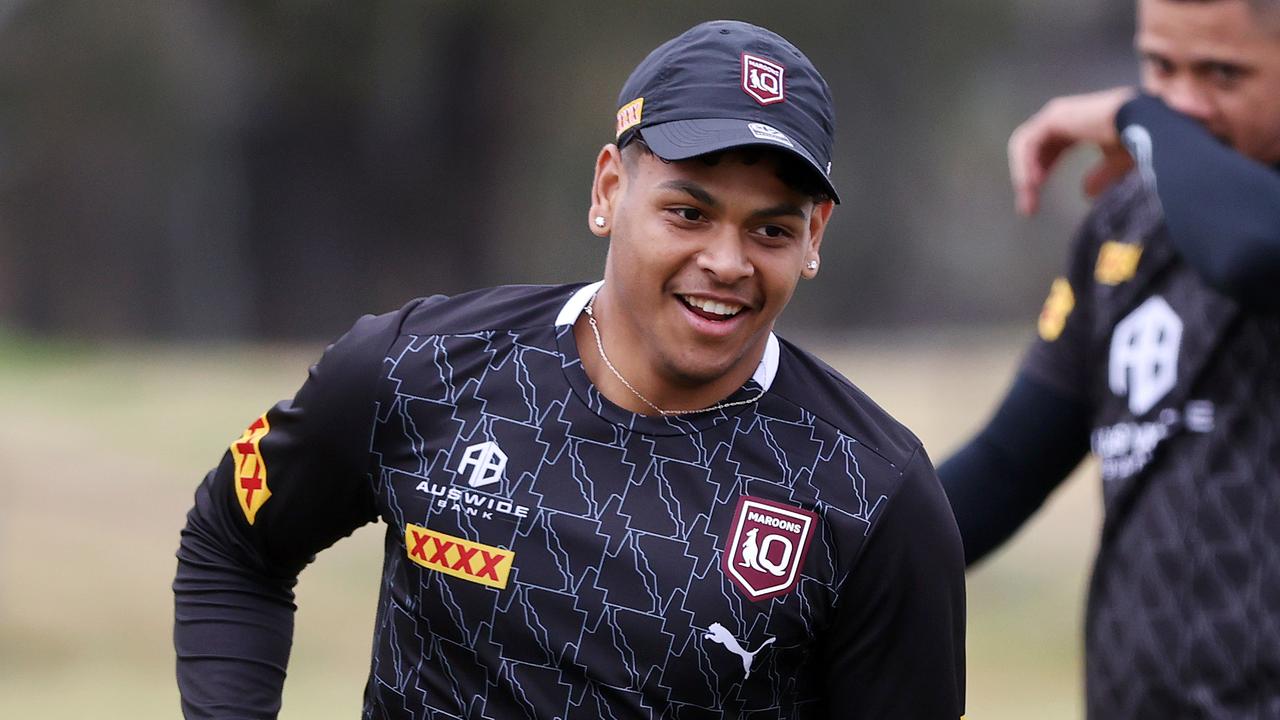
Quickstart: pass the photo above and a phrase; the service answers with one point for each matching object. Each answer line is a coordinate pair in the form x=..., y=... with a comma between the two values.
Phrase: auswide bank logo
x=482, y=464
x=766, y=546
x=486, y=461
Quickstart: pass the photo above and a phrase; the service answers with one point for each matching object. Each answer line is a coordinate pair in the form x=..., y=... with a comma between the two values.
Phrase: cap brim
x=684, y=139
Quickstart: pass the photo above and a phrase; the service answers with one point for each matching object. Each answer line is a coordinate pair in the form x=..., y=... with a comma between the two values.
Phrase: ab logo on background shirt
x=1144, y=354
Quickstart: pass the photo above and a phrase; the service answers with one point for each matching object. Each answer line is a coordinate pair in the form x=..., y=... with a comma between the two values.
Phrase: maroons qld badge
x=762, y=79
x=766, y=546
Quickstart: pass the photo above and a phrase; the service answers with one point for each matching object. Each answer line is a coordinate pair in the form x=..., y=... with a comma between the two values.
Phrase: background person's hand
x=1037, y=145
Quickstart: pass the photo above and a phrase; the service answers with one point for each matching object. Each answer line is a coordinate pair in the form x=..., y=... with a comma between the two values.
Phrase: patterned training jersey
x=551, y=555
x=1184, y=389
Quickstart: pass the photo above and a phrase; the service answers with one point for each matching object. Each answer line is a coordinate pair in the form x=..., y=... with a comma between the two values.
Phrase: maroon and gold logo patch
x=457, y=557
x=251, y=469
x=762, y=79
x=766, y=547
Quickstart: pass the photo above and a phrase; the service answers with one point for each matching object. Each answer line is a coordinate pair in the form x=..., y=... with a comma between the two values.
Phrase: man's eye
x=1225, y=74
x=688, y=213
x=1159, y=66
x=774, y=231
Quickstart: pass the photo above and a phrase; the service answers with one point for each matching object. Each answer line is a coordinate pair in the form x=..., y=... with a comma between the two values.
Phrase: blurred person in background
x=620, y=499
x=1159, y=350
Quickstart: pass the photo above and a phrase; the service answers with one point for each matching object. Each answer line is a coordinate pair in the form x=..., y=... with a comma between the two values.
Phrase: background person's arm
x=997, y=480
x=1222, y=208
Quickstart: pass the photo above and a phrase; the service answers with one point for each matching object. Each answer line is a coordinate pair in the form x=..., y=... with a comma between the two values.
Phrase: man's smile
x=711, y=309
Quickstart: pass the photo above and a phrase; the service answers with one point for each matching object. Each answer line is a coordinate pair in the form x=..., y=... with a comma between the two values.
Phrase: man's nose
x=725, y=257
x=1190, y=97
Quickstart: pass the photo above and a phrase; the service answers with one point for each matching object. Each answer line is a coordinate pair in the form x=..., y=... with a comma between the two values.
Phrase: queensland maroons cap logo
x=762, y=79
x=766, y=546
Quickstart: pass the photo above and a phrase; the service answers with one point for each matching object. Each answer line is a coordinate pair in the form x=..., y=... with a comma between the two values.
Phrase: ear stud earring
x=811, y=265
x=599, y=221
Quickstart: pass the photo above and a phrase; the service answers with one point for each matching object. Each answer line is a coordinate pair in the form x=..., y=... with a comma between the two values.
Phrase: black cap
x=726, y=84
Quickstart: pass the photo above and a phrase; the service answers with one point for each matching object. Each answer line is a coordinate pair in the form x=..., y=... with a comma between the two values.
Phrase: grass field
x=102, y=448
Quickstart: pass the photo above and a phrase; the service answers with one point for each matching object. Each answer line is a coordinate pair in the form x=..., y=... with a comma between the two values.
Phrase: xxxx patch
x=459, y=558
x=251, y=469
x=766, y=546
x=629, y=116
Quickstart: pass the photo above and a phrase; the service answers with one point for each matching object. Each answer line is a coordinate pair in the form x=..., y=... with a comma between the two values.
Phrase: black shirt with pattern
x=551, y=555
x=1160, y=351
x=1184, y=389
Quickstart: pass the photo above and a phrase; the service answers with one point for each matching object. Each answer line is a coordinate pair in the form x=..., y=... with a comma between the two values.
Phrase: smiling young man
x=626, y=499
x=704, y=255
x=1159, y=350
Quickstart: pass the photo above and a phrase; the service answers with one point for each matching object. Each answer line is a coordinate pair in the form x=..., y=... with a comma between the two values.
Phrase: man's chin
x=694, y=374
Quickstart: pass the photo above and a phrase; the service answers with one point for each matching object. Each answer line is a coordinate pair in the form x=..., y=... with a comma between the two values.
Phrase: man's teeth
x=713, y=307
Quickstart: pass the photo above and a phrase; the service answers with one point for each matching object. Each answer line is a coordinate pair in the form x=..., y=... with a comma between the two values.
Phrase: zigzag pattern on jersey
x=616, y=575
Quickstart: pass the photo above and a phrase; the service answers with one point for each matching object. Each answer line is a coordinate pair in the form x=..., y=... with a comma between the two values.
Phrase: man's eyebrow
x=697, y=192
x=691, y=189
x=1209, y=64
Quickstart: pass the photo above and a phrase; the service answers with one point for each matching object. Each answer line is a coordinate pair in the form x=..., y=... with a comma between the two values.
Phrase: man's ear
x=610, y=178
x=818, y=225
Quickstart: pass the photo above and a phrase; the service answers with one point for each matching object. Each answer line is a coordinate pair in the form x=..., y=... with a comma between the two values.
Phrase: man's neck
x=634, y=382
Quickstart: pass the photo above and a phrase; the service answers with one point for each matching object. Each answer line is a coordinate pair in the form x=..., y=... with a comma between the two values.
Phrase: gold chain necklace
x=595, y=330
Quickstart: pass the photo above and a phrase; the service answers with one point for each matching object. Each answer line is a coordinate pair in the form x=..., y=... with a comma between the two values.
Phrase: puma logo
x=718, y=633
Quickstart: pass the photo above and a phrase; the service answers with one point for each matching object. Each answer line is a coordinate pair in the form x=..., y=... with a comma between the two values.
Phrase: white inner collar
x=763, y=375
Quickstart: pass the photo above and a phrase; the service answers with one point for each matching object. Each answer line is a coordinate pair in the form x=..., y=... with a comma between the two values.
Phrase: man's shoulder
x=811, y=384
x=505, y=307
x=1128, y=211
x=494, y=309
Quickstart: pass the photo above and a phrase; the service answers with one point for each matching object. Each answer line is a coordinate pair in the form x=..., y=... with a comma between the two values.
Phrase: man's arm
x=233, y=617
x=1001, y=476
x=896, y=649
x=1222, y=208
x=294, y=483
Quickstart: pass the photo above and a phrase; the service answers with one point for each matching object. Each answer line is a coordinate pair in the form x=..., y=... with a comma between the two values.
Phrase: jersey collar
x=765, y=371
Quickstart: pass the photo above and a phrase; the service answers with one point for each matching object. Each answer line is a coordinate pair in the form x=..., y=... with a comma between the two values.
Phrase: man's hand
x=1037, y=144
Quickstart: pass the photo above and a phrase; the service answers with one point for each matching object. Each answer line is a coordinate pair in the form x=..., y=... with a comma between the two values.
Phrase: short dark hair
x=793, y=172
